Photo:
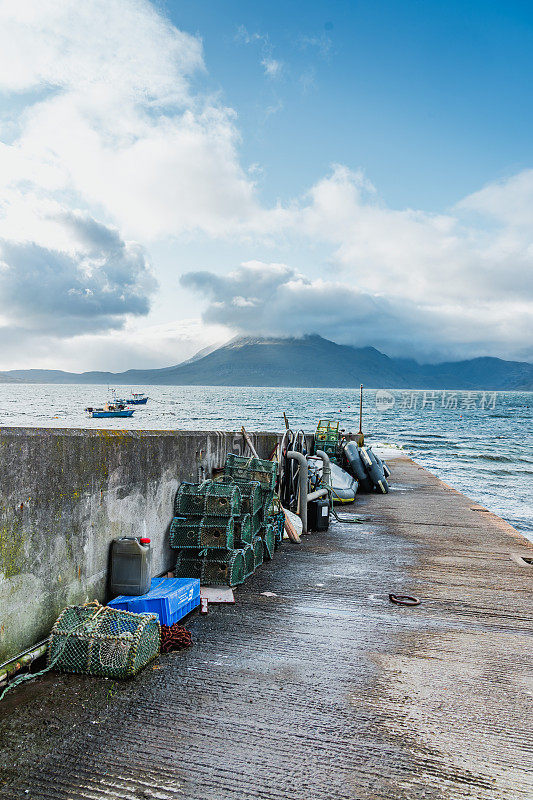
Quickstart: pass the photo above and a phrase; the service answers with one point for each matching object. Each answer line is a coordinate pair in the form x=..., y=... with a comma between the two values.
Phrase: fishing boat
x=111, y=410
x=135, y=399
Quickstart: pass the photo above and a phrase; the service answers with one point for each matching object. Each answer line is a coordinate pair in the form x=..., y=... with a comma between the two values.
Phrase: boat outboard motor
x=357, y=467
x=374, y=469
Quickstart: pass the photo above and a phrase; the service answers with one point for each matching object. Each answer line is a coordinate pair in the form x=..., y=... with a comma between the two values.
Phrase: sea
x=481, y=443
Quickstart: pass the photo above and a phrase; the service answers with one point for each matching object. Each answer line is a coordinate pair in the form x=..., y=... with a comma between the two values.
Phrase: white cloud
x=136, y=346
x=411, y=253
x=113, y=121
x=508, y=202
x=273, y=67
x=102, y=125
x=445, y=285
x=266, y=299
x=89, y=289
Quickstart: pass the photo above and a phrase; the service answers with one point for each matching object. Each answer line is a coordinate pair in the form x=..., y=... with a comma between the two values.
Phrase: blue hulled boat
x=136, y=399
x=110, y=410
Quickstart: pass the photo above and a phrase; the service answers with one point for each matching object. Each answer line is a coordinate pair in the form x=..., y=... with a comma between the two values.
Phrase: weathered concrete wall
x=66, y=494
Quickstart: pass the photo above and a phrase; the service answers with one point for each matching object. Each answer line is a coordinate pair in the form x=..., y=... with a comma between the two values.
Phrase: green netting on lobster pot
x=207, y=532
x=257, y=522
x=266, y=502
x=190, y=500
x=227, y=569
x=243, y=470
x=97, y=640
x=249, y=559
x=251, y=495
x=258, y=551
x=209, y=498
x=221, y=499
x=243, y=529
x=268, y=535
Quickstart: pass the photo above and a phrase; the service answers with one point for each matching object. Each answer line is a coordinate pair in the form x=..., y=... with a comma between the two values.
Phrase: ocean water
x=479, y=443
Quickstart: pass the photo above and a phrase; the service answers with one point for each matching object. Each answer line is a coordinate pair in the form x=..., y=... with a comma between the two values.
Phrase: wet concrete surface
x=325, y=691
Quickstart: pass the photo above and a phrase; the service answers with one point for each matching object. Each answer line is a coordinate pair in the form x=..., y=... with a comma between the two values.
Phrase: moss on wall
x=66, y=494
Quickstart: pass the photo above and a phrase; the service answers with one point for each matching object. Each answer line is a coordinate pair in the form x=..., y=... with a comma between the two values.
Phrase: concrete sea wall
x=65, y=494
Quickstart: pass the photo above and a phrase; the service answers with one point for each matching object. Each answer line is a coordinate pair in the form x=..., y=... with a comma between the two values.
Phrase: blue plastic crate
x=170, y=598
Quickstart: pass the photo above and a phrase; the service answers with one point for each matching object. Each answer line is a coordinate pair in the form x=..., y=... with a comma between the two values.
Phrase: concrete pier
x=65, y=494
x=324, y=691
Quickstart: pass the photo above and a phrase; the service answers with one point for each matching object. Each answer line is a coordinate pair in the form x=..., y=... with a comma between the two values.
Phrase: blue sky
x=431, y=99
x=173, y=174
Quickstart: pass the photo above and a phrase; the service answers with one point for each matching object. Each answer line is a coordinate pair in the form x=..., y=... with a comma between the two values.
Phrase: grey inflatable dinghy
x=343, y=486
x=374, y=468
x=353, y=456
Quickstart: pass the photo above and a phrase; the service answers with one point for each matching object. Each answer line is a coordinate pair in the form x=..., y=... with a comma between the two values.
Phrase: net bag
x=209, y=498
x=208, y=532
x=97, y=640
x=258, y=551
x=243, y=529
x=249, y=559
x=244, y=470
x=227, y=569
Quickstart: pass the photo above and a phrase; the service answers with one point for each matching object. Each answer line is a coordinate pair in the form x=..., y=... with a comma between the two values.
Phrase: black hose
x=353, y=520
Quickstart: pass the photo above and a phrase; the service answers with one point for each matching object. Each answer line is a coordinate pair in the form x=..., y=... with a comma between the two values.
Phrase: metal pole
x=326, y=467
x=360, y=435
x=302, y=485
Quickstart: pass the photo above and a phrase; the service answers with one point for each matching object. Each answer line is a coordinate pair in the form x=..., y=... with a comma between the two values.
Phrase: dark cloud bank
x=63, y=294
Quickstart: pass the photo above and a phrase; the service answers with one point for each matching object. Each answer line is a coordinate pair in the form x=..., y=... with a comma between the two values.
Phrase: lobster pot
x=221, y=499
x=228, y=569
x=277, y=521
x=243, y=470
x=251, y=495
x=266, y=503
x=207, y=532
x=257, y=522
x=243, y=529
x=268, y=535
x=249, y=560
x=189, y=500
x=97, y=640
x=258, y=551
x=209, y=498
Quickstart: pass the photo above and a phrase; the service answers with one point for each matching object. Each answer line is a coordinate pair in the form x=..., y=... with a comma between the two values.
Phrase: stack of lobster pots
x=225, y=528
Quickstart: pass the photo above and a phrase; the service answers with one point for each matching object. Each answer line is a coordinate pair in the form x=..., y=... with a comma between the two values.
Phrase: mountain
x=310, y=361
x=5, y=377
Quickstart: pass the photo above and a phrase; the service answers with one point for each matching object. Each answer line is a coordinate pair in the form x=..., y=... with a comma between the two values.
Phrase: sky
x=174, y=174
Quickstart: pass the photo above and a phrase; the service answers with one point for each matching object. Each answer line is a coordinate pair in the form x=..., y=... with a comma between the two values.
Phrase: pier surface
x=324, y=691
